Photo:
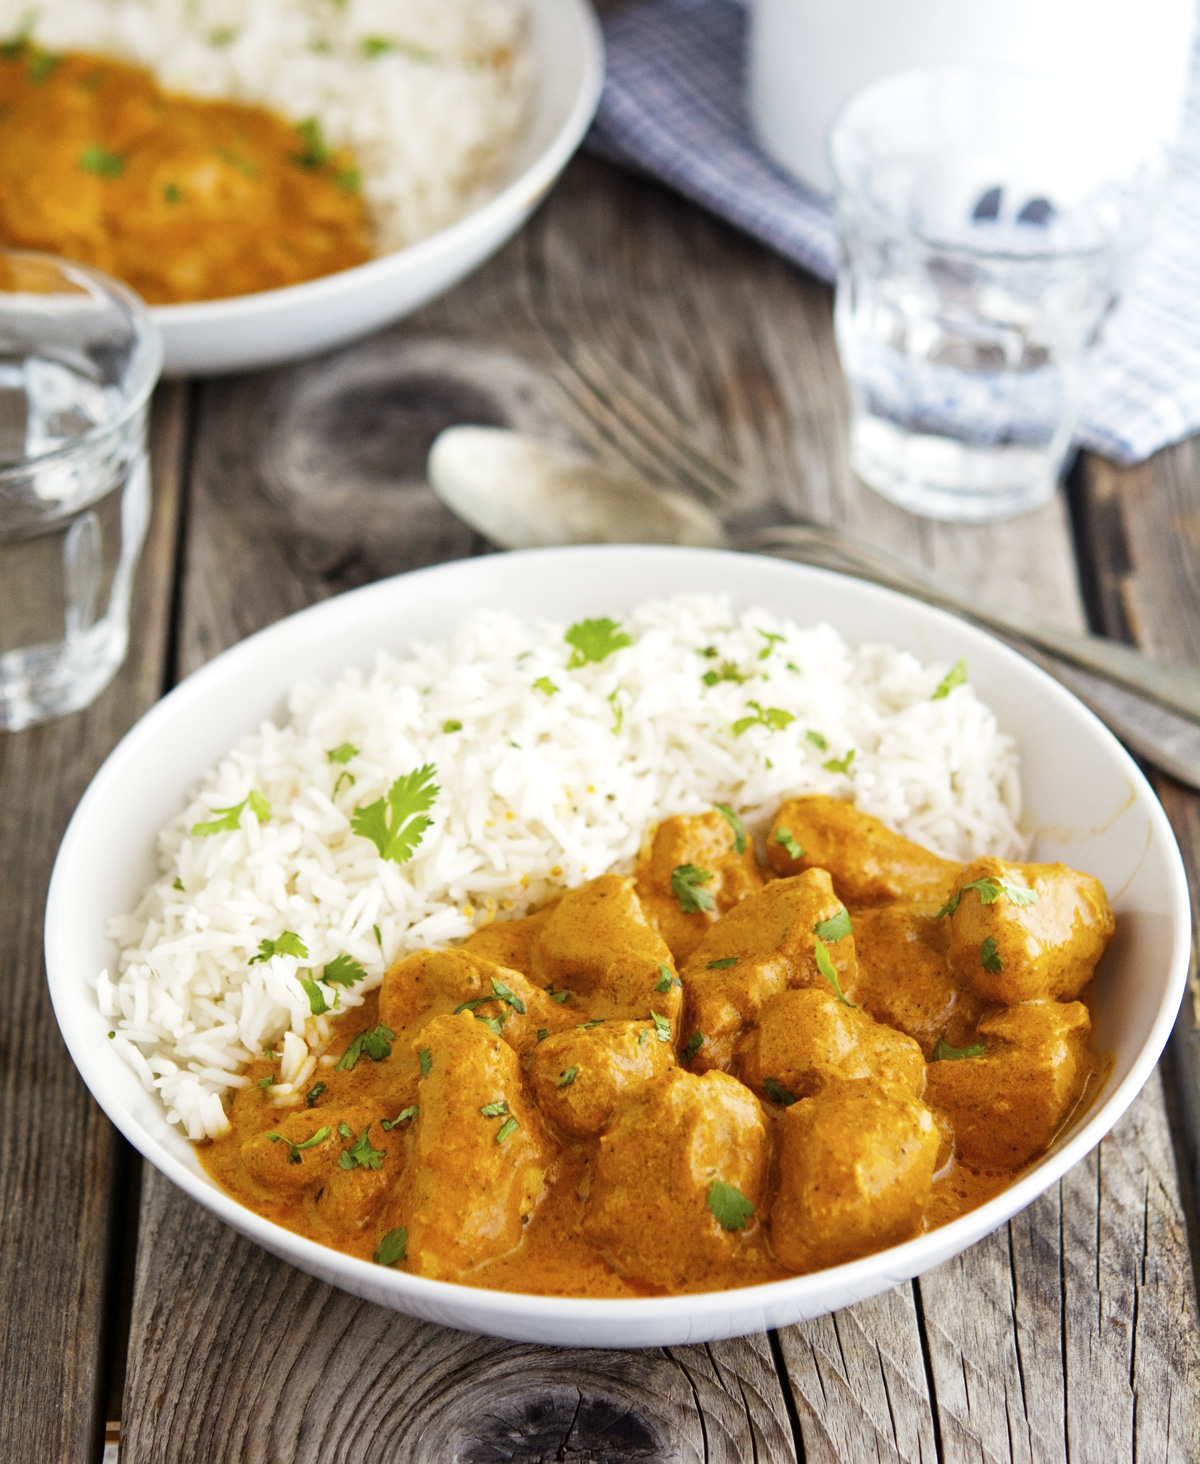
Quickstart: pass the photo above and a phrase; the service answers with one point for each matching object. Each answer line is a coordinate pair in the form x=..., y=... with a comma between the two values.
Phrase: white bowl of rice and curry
x=700, y=944
x=277, y=176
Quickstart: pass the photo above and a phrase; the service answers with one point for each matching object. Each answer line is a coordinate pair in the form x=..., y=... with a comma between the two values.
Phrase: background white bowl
x=277, y=325
x=1085, y=803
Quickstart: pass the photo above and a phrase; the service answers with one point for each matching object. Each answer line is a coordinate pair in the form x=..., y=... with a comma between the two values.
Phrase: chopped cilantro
x=345, y=1130
x=558, y=996
x=729, y=1205
x=372, y=46
x=509, y=1126
x=42, y=66
x=722, y=965
x=693, y=1045
x=267, y=1082
x=989, y=889
x=342, y=777
x=735, y=823
x=294, y=1149
x=567, y=1078
x=316, y=997
x=594, y=640
x=178, y=885
x=618, y=710
x=504, y=994
x=402, y=1117
x=773, y=717
x=786, y=840
x=288, y=944
x=943, y=1052
x=777, y=1093
x=817, y=740
x=315, y=153
x=543, y=683
x=172, y=193
x=397, y=824
x=686, y=880
x=542, y=1033
x=378, y=936
x=342, y=753
x=498, y=1109
x=452, y=726
x=595, y=1022
x=665, y=980
x=836, y=928
x=728, y=672
x=989, y=957
x=13, y=47
x=710, y=653
x=310, y=1098
x=393, y=1247
x=772, y=641
x=956, y=676
x=840, y=764
x=344, y=970
x=231, y=817
x=643, y=1036
x=426, y=1058
x=112, y=1034
x=362, y=1154
x=662, y=1028
x=104, y=164
x=826, y=968
x=373, y=1043
x=495, y=1025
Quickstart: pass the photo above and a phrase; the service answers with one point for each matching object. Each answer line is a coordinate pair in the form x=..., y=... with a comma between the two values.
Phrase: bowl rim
x=519, y=193
x=706, y=1311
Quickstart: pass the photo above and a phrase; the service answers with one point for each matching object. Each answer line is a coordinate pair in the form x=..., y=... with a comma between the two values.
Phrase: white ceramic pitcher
x=1127, y=61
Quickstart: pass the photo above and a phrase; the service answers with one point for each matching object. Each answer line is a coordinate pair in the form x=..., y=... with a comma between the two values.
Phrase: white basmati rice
x=431, y=94
x=548, y=776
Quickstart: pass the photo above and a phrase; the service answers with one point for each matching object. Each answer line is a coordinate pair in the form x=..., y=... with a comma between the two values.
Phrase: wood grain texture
x=57, y=1151
x=626, y=320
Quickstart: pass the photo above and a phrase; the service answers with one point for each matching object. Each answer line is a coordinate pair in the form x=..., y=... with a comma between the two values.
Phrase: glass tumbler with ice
x=987, y=227
x=79, y=356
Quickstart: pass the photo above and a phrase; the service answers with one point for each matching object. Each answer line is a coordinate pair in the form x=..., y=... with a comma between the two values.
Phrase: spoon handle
x=1175, y=687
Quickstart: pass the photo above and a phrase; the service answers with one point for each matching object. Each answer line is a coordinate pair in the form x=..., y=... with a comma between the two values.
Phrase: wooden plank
x=58, y=1154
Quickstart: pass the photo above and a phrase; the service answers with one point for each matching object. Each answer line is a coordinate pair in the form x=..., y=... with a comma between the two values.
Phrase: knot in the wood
x=544, y=1426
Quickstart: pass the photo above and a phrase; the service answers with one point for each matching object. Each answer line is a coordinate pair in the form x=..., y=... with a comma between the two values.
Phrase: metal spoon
x=521, y=492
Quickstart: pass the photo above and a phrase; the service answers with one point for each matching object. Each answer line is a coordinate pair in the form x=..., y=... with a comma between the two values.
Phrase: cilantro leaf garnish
x=344, y=970
x=509, y=1126
x=618, y=710
x=316, y=997
x=943, y=1052
x=666, y=980
x=989, y=890
x=989, y=958
x=836, y=928
x=495, y=1110
x=594, y=640
x=686, y=880
x=817, y=740
x=267, y=1082
x=722, y=965
x=558, y=996
x=774, y=718
x=772, y=641
x=315, y=153
x=98, y=160
x=662, y=1027
x=710, y=653
x=777, y=1093
x=452, y=726
x=342, y=753
x=567, y=1078
x=397, y=824
x=840, y=764
x=543, y=1033
x=231, y=817
x=729, y=1205
x=393, y=1247
x=503, y=993
x=735, y=823
x=294, y=1149
x=543, y=683
x=362, y=1154
x=495, y=1025
x=595, y=1022
x=426, y=1060
x=956, y=676
x=826, y=968
x=288, y=944
x=728, y=672
x=310, y=1098
x=402, y=1117
x=372, y=1043
x=693, y=1045
x=786, y=840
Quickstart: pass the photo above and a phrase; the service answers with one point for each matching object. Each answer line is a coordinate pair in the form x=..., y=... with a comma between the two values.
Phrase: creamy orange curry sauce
x=182, y=199
x=706, y=1076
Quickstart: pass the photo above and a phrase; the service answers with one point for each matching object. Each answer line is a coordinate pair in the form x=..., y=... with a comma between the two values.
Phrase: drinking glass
x=987, y=228
x=79, y=356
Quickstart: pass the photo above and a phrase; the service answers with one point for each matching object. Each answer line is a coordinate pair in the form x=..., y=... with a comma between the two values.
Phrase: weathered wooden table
x=625, y=319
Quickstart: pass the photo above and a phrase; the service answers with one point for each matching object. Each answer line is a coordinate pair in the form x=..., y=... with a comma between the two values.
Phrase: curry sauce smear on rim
x=182, y=199
x=708, y=1074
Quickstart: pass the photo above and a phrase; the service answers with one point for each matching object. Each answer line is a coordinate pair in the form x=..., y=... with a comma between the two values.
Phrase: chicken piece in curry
x=619, y=1096
x=180, y=198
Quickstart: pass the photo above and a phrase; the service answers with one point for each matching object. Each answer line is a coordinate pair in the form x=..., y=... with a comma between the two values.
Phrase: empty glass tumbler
x=987, y=227
x=79, y=356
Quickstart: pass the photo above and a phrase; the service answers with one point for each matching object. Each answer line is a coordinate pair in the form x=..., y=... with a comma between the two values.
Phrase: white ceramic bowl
x=248, y=331
x=1085, y=803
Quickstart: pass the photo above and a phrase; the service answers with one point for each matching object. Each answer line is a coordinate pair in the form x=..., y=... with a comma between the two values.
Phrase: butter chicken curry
x=704, y=1076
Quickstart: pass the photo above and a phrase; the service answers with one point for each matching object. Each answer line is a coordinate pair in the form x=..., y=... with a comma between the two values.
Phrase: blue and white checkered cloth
x=673, y=106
